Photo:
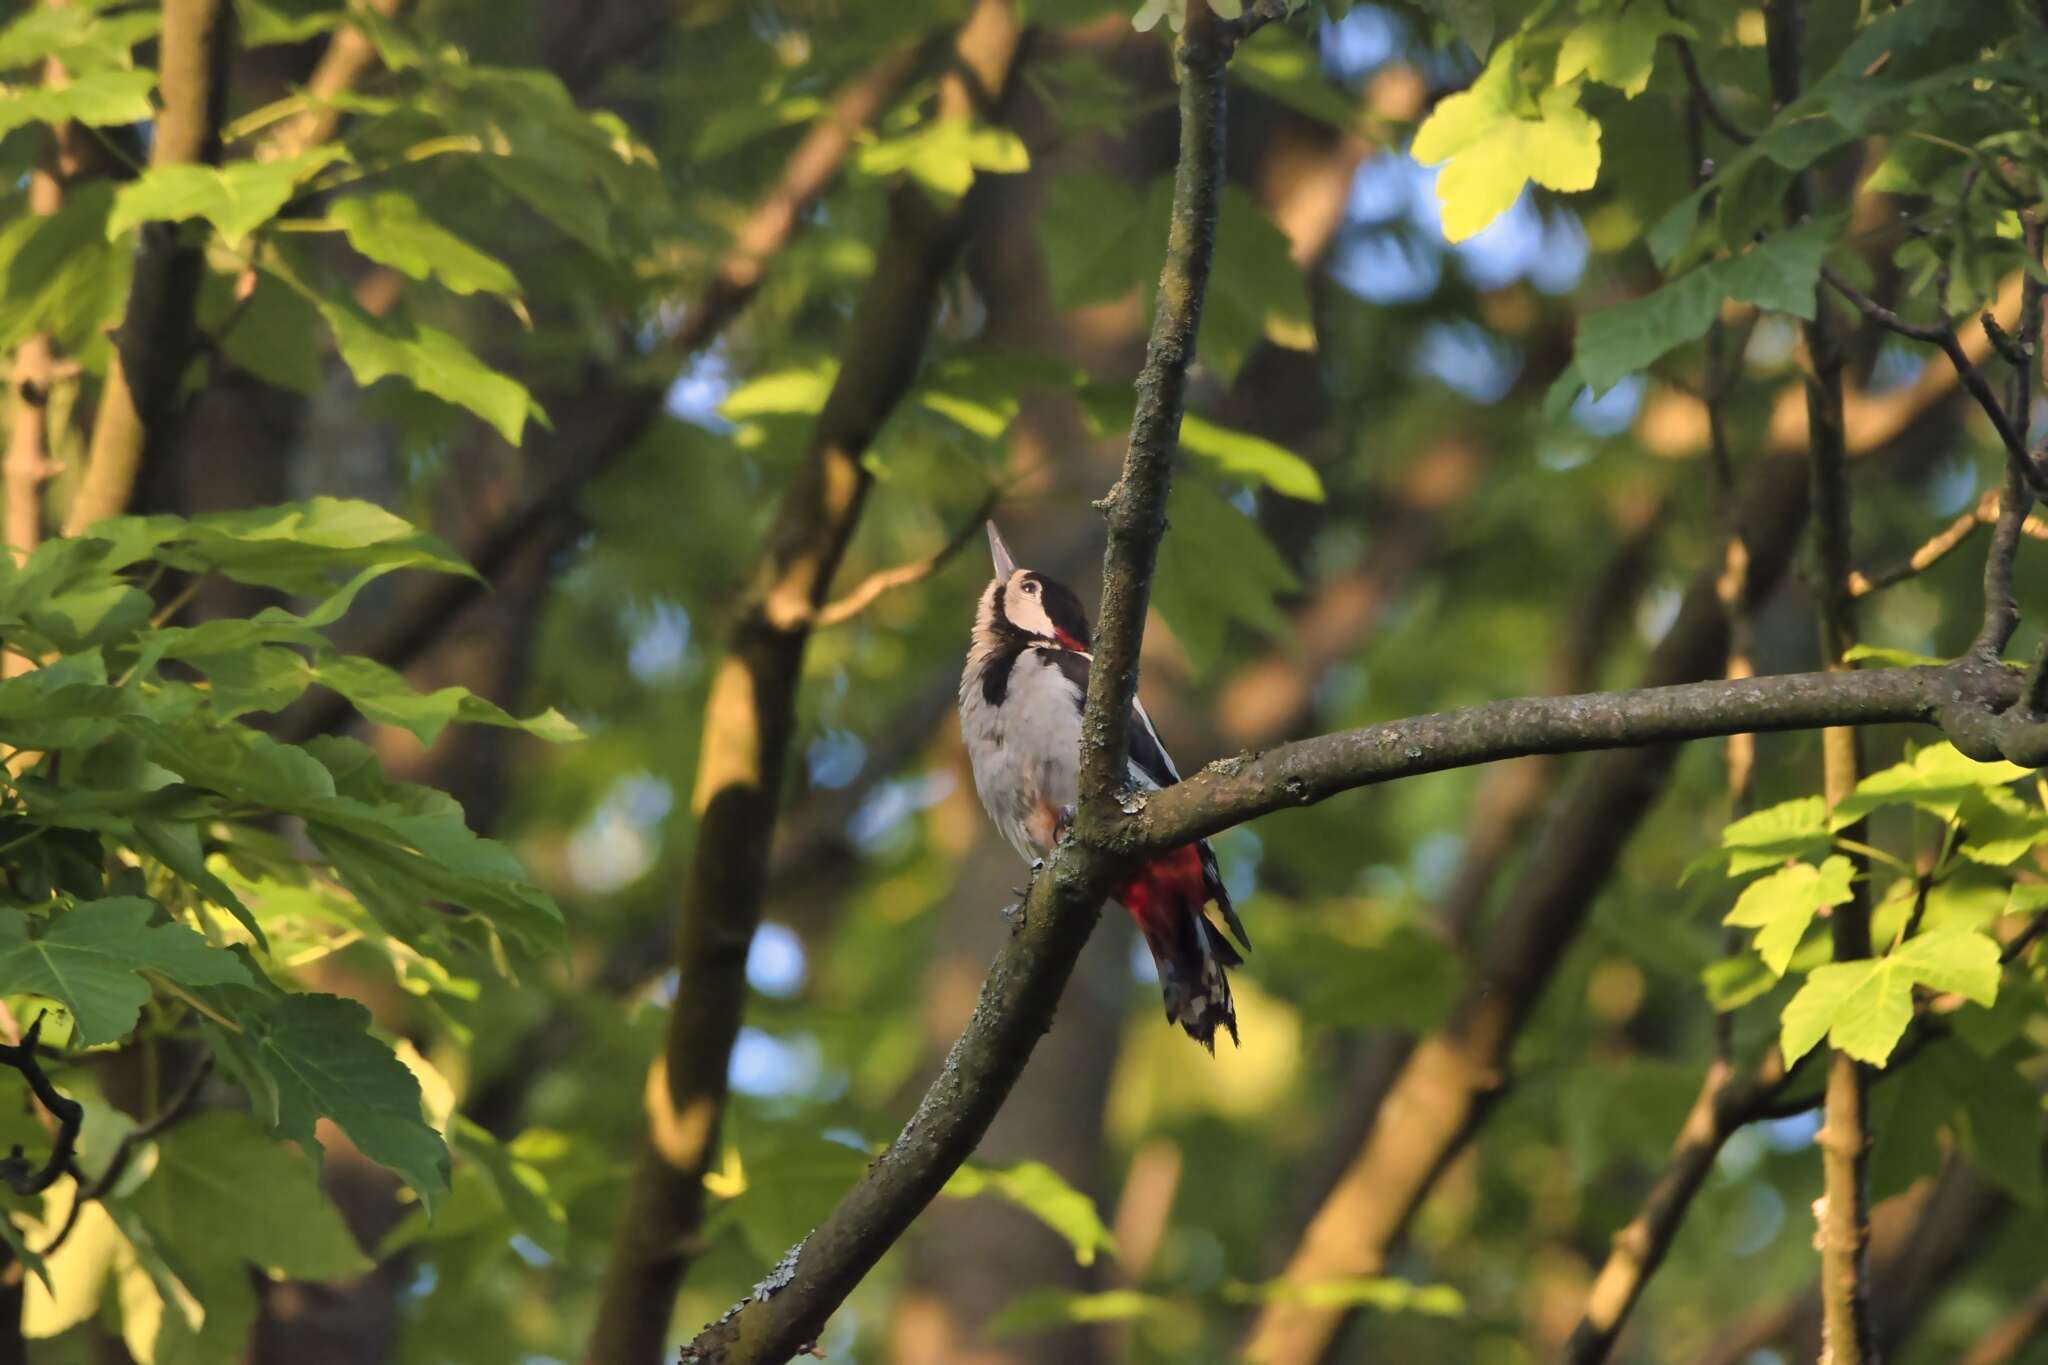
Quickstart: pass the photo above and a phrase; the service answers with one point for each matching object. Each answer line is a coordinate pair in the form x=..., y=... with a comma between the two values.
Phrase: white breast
x=1027, y=752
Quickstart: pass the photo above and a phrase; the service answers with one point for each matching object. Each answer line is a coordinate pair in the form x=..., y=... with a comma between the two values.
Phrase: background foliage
x=345, y=893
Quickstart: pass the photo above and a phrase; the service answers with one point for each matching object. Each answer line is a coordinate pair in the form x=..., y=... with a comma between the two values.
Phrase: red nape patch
x=1163, y=891
x=1067, y=641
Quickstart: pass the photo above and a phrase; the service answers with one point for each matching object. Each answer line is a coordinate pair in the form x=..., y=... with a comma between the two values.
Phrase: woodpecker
x=1021, y=696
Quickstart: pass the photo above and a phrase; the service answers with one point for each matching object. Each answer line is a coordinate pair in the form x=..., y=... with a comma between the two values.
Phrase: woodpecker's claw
x=1015, y=913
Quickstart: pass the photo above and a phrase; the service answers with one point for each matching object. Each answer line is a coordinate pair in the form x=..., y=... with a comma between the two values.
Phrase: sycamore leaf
x=1043, y=1192
x=1863, y=1007
x=390, y=229
x=99, y=99
x=1216, y=567
x=229, y=1189
x=1938, y=780
x=1781, y=905
x=384, y=695
x=945, y=155
x=1617, y=48
x=430, y=360
x=1776, y=834
x=237, y=198
x=1490, y=149
x=320, y=1060
x=90, y=959
x=1778, y=274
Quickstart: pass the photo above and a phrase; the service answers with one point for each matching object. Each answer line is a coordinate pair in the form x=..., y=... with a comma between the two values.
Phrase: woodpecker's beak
x=1005, y=566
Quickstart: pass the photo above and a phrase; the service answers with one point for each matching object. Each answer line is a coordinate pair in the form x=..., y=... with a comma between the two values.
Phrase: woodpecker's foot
x=1015, y=913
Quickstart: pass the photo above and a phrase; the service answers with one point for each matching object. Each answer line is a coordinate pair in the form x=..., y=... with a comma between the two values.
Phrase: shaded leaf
x=90, y=959
x=237, y=198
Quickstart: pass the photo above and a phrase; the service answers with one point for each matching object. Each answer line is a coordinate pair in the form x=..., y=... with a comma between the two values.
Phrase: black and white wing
x=1148, y=755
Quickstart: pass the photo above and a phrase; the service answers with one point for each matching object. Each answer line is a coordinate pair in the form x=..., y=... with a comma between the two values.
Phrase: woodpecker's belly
x=1025, y=750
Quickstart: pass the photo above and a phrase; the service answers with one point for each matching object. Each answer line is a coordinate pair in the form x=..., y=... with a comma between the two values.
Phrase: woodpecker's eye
x=1031, y=588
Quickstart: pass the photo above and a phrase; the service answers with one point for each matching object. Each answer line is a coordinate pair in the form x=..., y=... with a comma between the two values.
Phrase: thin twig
x=2020, y=461
x=1703, y=96
x=117, y=1164
x=2001, y=612
x=903, y=575
x=69, y=1113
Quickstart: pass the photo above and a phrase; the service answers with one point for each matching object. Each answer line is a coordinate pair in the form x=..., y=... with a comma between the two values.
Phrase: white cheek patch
x=1025, y=610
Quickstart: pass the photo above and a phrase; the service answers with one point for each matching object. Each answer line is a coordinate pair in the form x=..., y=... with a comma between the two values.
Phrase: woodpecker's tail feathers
x=1166, y=898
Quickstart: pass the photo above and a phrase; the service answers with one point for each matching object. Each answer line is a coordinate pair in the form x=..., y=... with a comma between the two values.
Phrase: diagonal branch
x=1726, y=1103
x=14, y=1168
x=882, y=581
x=790, y=1306
x=138, y=402
x=750, y=716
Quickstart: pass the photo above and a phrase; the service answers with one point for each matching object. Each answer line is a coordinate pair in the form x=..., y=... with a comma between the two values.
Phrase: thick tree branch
x=789, y=1307
x=748, y=722
x=139, y=400
x=1231, y=791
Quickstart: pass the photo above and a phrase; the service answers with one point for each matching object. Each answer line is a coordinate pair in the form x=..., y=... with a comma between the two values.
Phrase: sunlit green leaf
x=1863, y=1007
x=91, y=959
x=1042, y=1192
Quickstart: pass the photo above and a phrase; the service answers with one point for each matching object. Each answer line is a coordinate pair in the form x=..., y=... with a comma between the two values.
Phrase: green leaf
x=1781, y=905
x=1489, y=150
x=1732, y=982
x=1893, y=658
x=798, y=391
x=430, y=360
x=1215, y=567
x=1999, y=828
x=298, y=547
x=1778, y=274
x=275, y=336
x=1100, y=240
x=230, y=1191
x=1616, y=47
x=1381, y=1293
x=321, y=1062
x=266, y=22
x=82, y=37
x=1938, y=779
x=390, y=229
x=1037, y=1309
x=1791, y=829
x=90, y=959
x=237, y=198
x=1279, y=63
x=1253, y=459
x=1863, y=1007
x=385, y=696
x=1257, y=291
x=945, y=154
x=61, y=275
x=98, y=99
x=1042, y=1192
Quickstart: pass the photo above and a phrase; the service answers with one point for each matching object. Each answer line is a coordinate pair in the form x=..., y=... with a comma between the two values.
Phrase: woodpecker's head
x=1022, y=606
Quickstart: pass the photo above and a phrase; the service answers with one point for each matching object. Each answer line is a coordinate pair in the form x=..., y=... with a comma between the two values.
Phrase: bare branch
x=1725, y=1103
x=69, y=1113
x=1944, y=336
x=1234, y=790
x=1703, y=96
x=138, y=402
x=903, y=575
x=349, y=56
x=2011, y=1334
x=178, y=1106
